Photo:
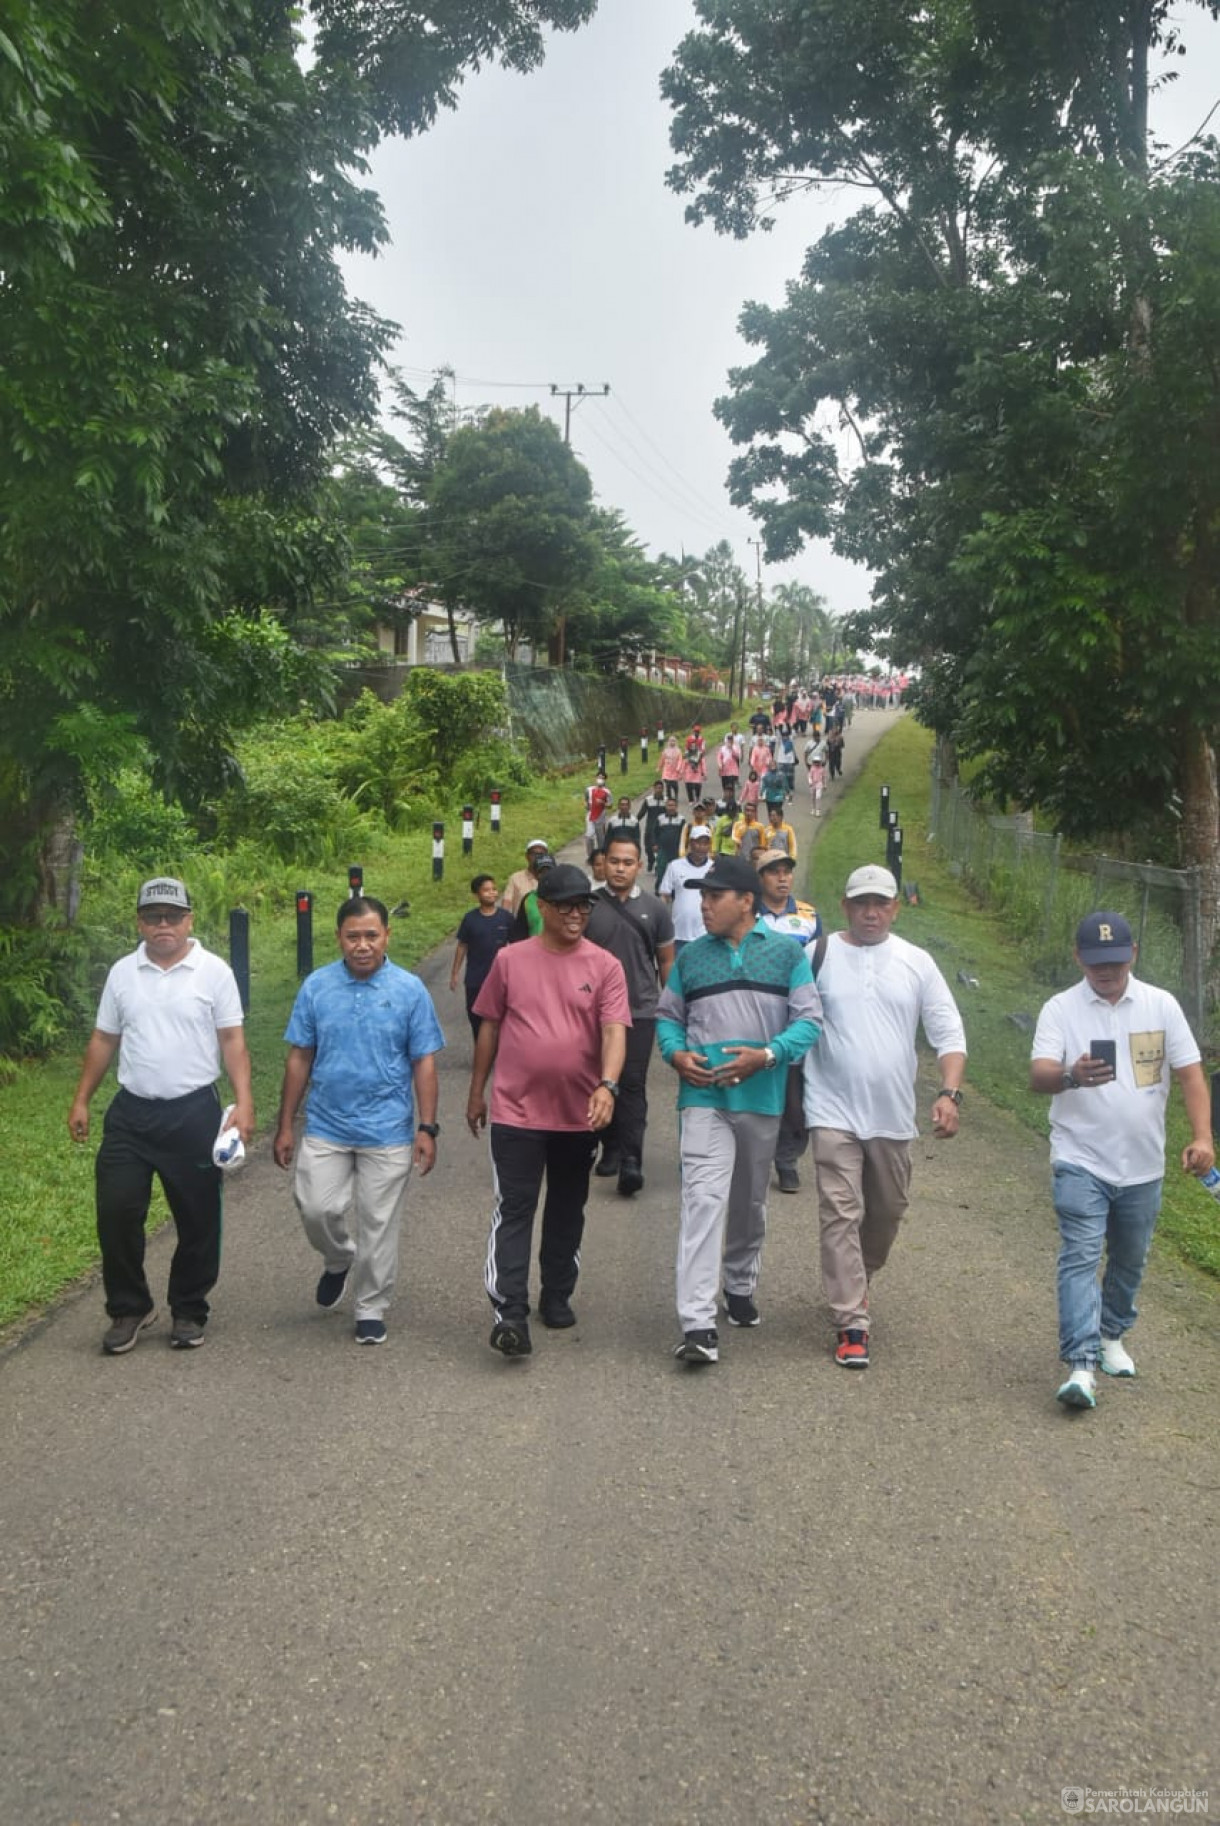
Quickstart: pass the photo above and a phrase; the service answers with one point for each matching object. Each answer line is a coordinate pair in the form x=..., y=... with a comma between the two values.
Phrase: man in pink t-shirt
x=554, y=1015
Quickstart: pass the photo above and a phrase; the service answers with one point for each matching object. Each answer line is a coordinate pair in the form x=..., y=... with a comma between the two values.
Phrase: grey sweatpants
x=351, y=1201
x=726, y=1161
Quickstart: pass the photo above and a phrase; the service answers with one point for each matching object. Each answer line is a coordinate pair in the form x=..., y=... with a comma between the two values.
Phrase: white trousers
x=351, y=1202
x=726, y=1162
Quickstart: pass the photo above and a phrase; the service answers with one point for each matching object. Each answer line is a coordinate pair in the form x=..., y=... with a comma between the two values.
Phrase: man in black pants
x=554, y=1016
x=638, y=929
x=171, y=1010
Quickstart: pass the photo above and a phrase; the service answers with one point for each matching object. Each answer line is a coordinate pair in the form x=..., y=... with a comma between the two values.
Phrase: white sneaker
x=1077, y=1391
x=1114, y=1359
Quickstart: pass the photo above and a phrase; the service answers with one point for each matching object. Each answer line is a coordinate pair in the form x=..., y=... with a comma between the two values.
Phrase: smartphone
x=1106, y=1051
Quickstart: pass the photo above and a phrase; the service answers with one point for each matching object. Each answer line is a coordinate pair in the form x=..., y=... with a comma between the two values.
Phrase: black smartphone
x=1106, y=1051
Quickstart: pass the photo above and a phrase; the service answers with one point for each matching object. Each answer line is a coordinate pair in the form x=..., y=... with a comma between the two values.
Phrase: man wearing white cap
x=876, y=989
x=172, y=1013
x=524, y=881
x=688, y=915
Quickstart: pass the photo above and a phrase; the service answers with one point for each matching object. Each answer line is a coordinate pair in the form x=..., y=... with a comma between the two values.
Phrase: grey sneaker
x=186, y=1335
x=125, y=1331
x=699, y=1347
x=740, y=1309
x=788, y=1179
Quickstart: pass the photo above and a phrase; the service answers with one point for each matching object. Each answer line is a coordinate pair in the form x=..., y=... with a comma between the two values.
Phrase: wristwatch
x=608, y=1084
x=1070, y=1081
x=428, y=1128
x=953, y=1096
x=769, y=1056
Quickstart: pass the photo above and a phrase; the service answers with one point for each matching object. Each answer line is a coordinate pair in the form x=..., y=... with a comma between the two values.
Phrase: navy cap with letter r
x=1104, y=938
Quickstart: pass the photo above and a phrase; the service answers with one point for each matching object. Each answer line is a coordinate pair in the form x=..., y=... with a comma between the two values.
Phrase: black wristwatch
x=429, y=1128
x=1070, y=1081
x=608, y=1084
x=953, y=1096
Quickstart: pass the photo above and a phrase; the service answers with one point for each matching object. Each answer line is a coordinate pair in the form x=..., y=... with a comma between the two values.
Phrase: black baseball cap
x=565, y=882
x=727, y=874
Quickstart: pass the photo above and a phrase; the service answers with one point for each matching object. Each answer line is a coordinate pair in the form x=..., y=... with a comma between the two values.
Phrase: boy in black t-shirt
x=486, y=929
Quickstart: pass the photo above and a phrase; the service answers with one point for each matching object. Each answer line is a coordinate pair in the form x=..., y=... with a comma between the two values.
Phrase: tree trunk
x=1201, y=846
x=453, y=639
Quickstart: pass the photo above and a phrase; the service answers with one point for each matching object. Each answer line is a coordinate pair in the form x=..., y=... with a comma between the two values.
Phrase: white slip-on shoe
x=1077, y=1391
x=1115, y=1360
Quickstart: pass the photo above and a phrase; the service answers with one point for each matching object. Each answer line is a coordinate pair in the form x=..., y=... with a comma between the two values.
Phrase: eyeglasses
x=163, y=916
x=564, y=907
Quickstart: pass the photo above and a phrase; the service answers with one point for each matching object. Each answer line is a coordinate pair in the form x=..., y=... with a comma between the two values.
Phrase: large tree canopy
x=995, y=383
x=180, y=353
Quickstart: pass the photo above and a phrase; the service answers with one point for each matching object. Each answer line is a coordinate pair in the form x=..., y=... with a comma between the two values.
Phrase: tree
x=1017, y=334
x=513, y=536
x=175, y=185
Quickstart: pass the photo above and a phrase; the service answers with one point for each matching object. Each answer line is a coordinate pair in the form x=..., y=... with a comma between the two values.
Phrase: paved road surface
x=286, y=1580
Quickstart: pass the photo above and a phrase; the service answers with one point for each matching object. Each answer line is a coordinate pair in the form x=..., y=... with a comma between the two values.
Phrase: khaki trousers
x=351, y=1201
x=863, y=1189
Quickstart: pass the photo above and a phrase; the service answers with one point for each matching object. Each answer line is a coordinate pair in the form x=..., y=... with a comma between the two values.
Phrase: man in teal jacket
x=739, y=1008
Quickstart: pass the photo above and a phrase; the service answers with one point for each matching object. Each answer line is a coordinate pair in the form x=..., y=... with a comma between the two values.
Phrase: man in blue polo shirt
x=363, y=1039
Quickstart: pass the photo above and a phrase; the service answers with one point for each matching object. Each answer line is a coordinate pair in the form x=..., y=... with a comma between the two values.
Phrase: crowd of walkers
x=783, y=1038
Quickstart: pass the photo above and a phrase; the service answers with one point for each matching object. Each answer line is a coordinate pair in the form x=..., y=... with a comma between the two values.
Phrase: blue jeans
x=1092, y=1214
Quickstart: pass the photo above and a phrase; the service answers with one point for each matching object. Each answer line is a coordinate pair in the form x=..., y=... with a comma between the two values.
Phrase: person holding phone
x=1104, y=1052
x=739, y=1007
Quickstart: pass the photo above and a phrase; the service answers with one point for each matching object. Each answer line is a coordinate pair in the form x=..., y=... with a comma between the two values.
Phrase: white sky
x=535, y=241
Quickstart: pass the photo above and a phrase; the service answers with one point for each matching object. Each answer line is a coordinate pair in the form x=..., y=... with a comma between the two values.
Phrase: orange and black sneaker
x=852, y=1350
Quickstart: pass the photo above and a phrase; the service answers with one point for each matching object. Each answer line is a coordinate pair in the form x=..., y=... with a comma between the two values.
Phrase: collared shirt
x=758, y=993
x=167, y=1020
x=798, y=920
x=633, y=930
x=367, y=1033
x=1115, y=1131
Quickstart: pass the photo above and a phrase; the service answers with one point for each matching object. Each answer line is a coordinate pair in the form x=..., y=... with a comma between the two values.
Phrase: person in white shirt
x=172, y=1012
x=876, y=990
x=1103, y=1051
x=687, y=908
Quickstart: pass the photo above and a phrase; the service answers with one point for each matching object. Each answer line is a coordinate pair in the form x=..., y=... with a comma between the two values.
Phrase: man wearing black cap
x=1104, y=1052
x=554, y=1015
x=172, y=1012
x=740, y=1006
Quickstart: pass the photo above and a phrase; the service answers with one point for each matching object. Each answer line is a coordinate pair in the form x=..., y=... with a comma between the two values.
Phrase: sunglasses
x=163, y=916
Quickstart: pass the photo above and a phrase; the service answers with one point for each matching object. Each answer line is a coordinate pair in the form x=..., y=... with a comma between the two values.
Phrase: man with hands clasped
x=1104, y=1051
x=738, y=1009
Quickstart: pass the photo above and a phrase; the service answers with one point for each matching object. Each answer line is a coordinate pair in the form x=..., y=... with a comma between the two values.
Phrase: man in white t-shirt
x=1103, y=1051
x=172, y=1012
x=687, y=908
x=876, y=990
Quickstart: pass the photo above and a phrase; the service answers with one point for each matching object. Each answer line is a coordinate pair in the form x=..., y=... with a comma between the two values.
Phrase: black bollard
x=239, y=953
x=438, y=851
x=304, y=932
x=495, y=811
x=467, y=829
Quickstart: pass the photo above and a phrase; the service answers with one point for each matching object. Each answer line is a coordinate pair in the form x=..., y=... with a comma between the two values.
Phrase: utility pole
x=758, y=545
x=567, y=395
x=577, y=393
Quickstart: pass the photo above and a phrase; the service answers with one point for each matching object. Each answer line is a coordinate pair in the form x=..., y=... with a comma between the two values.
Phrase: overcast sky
x=535, y=242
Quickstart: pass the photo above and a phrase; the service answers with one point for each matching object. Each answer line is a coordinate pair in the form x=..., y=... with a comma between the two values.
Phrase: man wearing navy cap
x=738, y=1009
x=1103, y=1052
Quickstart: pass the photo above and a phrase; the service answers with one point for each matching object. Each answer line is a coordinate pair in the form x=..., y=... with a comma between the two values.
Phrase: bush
x=44, y=992
x=289, y=798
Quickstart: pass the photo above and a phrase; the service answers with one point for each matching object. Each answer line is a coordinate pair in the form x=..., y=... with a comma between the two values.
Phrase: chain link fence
x=1044, y=890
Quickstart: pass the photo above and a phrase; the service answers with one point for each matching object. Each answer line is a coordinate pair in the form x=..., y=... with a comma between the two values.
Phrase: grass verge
x=1002, y=993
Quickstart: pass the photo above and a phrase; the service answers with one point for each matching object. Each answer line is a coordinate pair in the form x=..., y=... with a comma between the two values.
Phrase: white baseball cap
x=871, y=879
x=697, y=830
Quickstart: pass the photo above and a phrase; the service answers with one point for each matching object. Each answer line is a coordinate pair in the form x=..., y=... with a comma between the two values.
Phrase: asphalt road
x=286, y=1580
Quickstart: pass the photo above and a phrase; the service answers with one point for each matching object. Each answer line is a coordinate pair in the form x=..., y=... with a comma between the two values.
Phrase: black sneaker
x=630, y=1179
x=511, y=1337
x=187, y=1334
x=788, y=1179
x=370, y=1331
x=124, y=1333
x=699, y=1347
x=740, y=1309
x=330, y=1288
x=556, y=1312
x=607, y=1167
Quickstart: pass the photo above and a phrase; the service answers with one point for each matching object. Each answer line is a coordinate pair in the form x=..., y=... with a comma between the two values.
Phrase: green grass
x=970, y=939
x=47, y=1236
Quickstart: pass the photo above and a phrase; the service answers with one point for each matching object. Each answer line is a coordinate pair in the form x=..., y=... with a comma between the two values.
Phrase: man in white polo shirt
x=1103, y=1051
x=172, y=1012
